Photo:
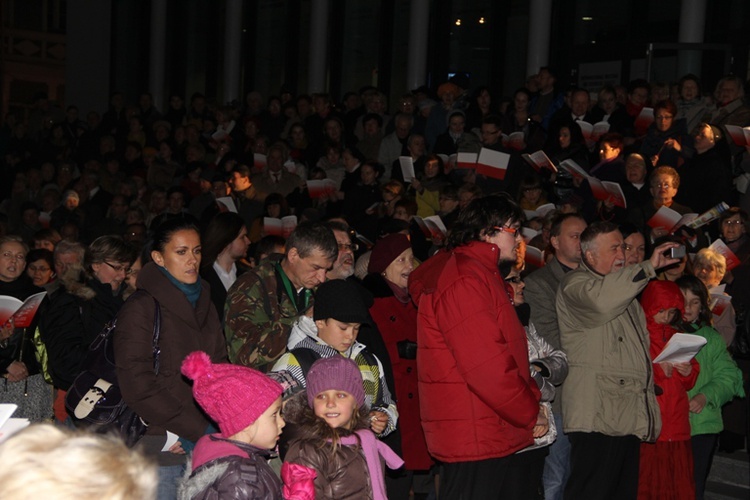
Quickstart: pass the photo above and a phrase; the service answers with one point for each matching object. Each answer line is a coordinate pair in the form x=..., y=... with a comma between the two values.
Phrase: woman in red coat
x=393, y=311
x=666, y=467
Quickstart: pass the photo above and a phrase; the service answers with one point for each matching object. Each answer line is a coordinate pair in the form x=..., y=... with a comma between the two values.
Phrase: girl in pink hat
x=246, y=405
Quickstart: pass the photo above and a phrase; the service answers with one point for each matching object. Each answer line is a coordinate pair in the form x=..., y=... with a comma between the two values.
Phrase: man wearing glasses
x=479, y=403
x=343, y=266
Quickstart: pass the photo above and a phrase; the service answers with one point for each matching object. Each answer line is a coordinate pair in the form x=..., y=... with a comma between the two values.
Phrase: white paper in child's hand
x=171, y=440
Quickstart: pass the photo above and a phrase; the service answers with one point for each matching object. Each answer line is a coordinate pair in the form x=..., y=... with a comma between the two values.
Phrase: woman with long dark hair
x=149, y=376
x=225, y=243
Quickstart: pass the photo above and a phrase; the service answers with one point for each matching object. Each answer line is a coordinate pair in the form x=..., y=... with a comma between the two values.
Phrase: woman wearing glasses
x=667, y=141
x=86, y=301
x=733, y=227
x=549, y=367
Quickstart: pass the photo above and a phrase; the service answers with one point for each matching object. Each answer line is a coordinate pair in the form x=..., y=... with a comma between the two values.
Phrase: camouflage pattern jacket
x=259, y=318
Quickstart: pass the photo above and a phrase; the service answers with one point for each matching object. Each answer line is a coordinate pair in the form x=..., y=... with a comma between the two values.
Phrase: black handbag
x=94, y=400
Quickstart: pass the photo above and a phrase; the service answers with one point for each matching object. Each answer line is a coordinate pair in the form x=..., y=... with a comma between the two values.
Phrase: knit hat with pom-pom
x=233, y=396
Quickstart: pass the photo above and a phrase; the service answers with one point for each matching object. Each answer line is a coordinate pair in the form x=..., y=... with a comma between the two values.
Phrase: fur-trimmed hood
x=224, y=468
x=192, y=485
x=76, y=282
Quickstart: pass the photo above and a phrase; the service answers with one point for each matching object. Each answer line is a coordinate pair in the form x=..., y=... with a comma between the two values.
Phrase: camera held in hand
x=677, y=252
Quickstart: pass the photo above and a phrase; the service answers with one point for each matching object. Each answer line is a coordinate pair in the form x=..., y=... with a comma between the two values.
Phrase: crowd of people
x=484, y=335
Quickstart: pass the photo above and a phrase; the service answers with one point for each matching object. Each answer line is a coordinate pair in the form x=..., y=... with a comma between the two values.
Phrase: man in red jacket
x=478, y=401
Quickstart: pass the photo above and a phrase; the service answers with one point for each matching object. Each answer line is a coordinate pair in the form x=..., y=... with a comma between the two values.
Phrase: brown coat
x=165, y=400
x=343, y=476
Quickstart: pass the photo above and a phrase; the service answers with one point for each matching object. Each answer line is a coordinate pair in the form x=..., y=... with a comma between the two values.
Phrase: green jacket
x=719, y=380
x=259, y=318
x=610, y=384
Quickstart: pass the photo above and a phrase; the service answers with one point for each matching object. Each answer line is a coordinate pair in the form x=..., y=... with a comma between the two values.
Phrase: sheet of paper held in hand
x=171, y=440
x=681, y=348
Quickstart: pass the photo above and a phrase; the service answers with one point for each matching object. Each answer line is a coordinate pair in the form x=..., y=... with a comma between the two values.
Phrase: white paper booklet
x=9, y=426
x=681, y=348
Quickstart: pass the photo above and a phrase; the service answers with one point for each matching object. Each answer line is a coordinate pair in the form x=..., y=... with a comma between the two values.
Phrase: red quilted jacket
x=478, y=400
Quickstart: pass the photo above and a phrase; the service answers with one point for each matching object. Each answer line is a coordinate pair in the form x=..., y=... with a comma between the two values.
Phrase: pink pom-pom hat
x=233, y=396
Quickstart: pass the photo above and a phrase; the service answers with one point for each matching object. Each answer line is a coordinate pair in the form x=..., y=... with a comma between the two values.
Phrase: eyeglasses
x=513, y=231
x=662, y=185
x=514, y=279
x=41, y=269
x=663, y=117
x=119, y=269
x=344, y=247
x=732, y=222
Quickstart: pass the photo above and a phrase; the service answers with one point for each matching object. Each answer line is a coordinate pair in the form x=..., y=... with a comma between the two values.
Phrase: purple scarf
x=373, y=449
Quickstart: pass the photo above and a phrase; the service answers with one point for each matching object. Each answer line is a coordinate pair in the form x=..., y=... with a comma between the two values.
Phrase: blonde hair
x=44, y=461
x=709, y=258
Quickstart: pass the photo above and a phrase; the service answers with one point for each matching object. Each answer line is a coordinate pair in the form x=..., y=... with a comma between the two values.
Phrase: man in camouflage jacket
x=263, y=304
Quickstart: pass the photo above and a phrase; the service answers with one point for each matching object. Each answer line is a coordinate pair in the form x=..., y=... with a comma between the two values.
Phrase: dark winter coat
x=165, y=400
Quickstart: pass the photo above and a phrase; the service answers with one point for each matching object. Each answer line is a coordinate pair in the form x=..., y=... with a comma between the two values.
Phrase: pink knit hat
x=337, y=373
x=233, y=396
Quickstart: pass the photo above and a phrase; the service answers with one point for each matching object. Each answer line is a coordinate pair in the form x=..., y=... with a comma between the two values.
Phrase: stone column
x=318, y=46
x=419, y=19
x=692, y=26
x=540, y=17
x=158, y=52
x=232, y=50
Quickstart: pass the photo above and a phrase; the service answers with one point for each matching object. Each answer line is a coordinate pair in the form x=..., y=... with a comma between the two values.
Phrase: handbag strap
x=156, y=351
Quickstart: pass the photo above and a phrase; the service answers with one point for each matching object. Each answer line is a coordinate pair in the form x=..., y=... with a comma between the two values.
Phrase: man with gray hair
x=608, y=399
x=263, y=304
x=730, y=109
x=68, y=254
x=343, y=266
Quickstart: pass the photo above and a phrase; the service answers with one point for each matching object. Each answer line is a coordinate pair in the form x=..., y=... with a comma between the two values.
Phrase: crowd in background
x=99, y=206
